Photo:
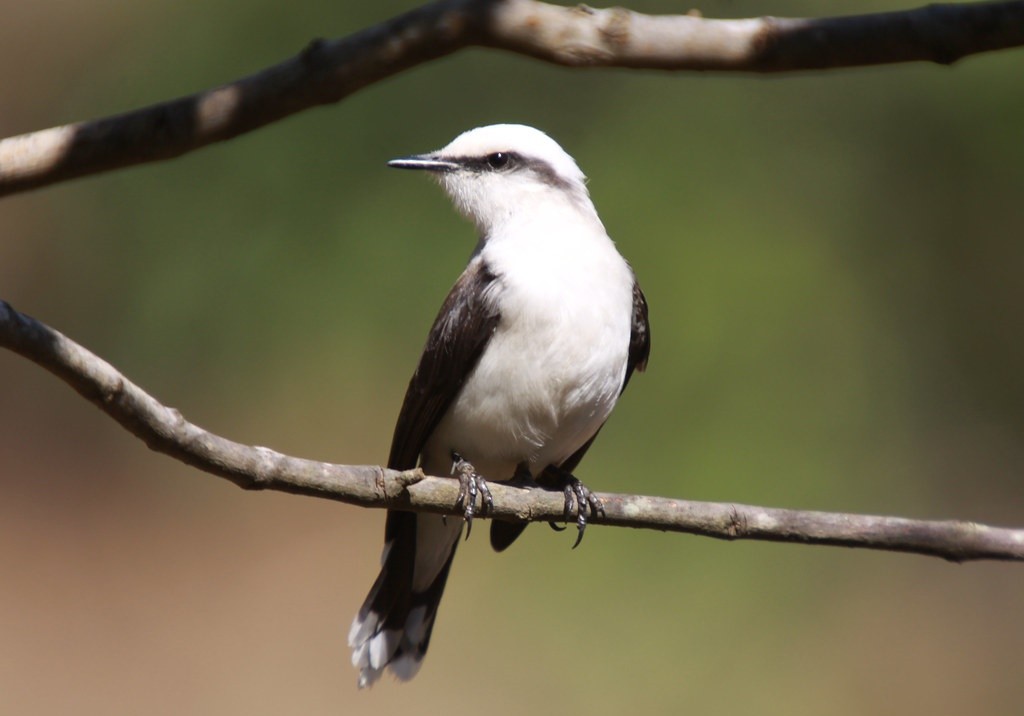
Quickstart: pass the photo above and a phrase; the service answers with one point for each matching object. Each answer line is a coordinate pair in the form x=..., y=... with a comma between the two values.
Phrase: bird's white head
x=494, y=174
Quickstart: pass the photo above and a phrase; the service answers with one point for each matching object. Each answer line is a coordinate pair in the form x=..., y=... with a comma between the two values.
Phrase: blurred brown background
x=833, y=263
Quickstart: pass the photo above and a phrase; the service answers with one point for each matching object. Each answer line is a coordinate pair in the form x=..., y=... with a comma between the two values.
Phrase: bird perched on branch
x=525, y=361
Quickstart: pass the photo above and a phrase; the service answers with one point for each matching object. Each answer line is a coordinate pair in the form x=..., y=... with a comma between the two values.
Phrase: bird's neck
x=558, y=246
x=545, y=216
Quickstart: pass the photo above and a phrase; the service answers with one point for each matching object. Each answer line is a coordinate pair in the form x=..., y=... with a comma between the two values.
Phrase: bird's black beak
x=424, y=161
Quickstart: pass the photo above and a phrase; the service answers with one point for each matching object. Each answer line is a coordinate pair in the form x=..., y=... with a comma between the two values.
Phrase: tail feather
x=393, y=627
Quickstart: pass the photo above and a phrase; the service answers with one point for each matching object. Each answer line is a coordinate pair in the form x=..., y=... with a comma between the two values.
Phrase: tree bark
x=165, y=430
x=328, y=71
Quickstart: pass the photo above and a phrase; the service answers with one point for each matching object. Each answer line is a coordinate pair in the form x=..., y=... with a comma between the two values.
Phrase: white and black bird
x=523, y=365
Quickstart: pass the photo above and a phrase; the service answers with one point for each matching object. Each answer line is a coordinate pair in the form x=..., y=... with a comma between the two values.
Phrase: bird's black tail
x=392, y=629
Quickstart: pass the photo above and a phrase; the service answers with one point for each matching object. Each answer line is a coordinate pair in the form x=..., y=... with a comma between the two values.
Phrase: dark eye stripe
x=512, y=161
x=496, y=161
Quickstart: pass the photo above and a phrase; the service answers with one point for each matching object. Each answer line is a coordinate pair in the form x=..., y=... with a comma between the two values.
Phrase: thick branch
x=165, y=430
x=328, y=71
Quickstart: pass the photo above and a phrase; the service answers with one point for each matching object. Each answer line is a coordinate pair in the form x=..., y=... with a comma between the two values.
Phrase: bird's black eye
x=499, y=160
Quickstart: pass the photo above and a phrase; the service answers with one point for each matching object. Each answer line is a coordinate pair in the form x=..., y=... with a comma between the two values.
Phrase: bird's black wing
x=505, y=533
x=639, y=335
x=456, y=341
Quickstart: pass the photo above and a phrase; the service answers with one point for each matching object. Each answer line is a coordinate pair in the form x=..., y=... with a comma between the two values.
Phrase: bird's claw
x=580, y=499
x=471, y=485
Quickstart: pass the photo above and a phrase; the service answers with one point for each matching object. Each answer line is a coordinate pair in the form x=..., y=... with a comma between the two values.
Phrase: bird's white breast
x=552, y=372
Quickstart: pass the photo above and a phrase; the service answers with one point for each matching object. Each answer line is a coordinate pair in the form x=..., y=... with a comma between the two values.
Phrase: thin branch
x=328, y=71
x=258, y=468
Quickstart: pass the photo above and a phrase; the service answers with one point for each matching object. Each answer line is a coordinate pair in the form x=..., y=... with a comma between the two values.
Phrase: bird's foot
x=471, y=485
x=579, y=499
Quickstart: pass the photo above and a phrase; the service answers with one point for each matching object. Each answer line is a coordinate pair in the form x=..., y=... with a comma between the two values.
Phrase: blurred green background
x=834, y=266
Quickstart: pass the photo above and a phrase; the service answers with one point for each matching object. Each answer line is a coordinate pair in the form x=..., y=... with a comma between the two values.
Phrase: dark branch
x=328, y=71
x=257, y=468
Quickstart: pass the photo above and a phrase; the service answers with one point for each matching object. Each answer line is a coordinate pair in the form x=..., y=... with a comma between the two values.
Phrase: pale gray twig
x=257, y=468
x=328, y=71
